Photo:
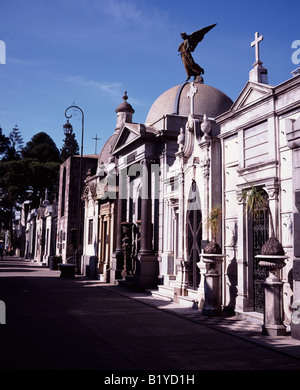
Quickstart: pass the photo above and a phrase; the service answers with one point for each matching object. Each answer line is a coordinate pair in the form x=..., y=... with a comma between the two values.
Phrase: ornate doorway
x=194, y=236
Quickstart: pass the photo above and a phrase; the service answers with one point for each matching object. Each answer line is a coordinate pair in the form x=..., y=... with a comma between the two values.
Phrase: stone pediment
x=128, y=134
x=252, y=93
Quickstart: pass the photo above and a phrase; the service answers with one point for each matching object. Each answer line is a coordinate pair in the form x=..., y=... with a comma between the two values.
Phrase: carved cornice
x=293, y=133
x=148, y=161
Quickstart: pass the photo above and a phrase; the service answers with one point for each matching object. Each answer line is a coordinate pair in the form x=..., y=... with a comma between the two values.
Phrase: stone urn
x=206, y=127
x=273, y=307
x=273, y=263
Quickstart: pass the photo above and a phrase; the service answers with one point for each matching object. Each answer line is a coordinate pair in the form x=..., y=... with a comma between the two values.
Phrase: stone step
x=165, y=292
x=251, y=316
x=128, y=281
x=188, y=302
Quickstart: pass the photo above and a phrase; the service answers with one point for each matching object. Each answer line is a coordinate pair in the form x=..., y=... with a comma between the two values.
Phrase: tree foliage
x=13, y=145
x=70, y=147
x=42, y=148
x=43, y=170
x=4, y=142
x=26, y=172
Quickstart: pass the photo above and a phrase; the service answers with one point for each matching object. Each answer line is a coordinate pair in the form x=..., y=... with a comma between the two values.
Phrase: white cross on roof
x=256, y=44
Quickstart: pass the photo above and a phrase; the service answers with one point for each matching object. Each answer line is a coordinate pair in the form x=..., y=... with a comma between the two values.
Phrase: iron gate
x=260, y=236
x=194, y=236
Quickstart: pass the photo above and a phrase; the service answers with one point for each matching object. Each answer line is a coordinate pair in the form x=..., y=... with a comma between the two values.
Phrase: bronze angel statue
x=188, y=45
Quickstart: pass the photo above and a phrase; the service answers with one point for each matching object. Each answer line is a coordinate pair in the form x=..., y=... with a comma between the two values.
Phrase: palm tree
x=213, y=223
x=255, y=202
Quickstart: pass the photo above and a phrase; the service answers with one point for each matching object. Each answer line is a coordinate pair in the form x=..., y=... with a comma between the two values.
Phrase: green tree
x=42, y=176
x=41, y=147
x=4, y=142
x=25, y=175
x=43, y=169
x=13, y=190
x=70, y=147
x=14, y=146
x=213, y=222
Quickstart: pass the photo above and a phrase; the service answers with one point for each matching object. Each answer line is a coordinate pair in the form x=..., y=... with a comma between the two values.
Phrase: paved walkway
x=54, y=323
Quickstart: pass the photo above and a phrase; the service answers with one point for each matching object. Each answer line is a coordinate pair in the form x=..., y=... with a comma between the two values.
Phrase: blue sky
x=88, y=52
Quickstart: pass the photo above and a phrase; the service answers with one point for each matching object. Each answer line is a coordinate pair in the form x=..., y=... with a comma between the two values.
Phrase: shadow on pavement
x=80, y=324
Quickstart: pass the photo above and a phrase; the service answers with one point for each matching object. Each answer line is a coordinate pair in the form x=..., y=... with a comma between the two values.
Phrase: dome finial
x=124, y=112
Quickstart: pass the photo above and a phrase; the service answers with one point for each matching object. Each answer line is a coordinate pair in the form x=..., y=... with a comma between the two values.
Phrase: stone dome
x=125, y=106
x=208, y=100
x=105, y=153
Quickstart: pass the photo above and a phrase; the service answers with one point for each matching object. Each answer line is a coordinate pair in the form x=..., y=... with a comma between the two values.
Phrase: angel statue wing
x=189, y=45
x=197, y=36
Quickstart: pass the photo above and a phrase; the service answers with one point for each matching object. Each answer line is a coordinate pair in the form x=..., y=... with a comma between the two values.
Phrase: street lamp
x=68, y=130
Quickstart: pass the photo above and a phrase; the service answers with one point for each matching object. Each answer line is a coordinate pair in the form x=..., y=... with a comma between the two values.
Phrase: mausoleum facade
x=148, y=205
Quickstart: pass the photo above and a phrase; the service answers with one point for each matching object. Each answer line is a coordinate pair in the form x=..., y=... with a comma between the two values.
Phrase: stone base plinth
x=273, y=324
x=273, y=330
x=212, y=304
x=179, y=291
x=90, y=266
x=146, y=272
x=117, y=263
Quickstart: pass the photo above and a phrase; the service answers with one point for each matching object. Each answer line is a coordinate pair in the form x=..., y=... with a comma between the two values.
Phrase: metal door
x=194, y=236
x=260, y=236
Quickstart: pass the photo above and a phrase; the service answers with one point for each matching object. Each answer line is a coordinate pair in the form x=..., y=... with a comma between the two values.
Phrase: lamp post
x=68, y=130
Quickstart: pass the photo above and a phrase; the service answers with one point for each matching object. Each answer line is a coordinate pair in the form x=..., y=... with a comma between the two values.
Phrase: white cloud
x=113, y=88
x=128, y=12
x=122, y=11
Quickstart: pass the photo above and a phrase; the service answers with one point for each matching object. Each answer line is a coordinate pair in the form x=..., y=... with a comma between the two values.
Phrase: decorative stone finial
x=124, y=112
x=206, y=126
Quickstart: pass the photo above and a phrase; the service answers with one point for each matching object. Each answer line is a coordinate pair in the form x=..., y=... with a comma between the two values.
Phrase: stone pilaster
x=181, y=264
x=146, y=275
x=118, y=256
x=293, y=142
x=242, y=299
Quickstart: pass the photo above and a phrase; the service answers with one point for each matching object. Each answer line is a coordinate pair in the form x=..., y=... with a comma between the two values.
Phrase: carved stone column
x=118, y=257
x=292, y=128
x=146, y=275
x=242, y=300
x=181, y=263
x=272, y=190
x=106, y=265
x=146, y=208
x=167, y=264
